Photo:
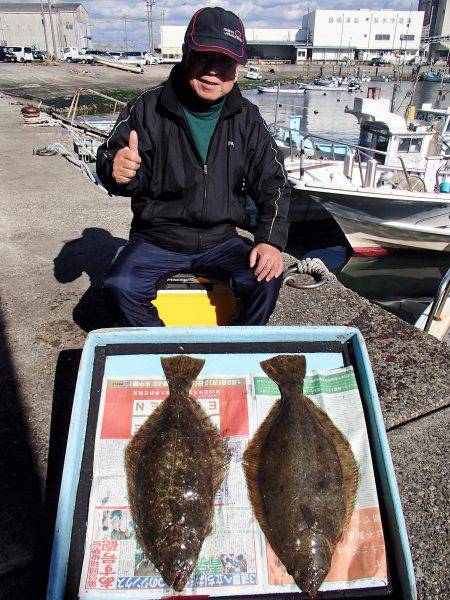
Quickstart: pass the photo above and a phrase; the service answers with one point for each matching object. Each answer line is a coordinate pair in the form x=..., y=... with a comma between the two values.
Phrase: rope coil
x=308, y=266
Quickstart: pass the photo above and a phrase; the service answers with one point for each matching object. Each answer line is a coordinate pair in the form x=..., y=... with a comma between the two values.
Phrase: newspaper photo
x=235, y=558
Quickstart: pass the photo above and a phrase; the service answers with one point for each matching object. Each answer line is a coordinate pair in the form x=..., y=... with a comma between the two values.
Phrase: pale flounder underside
x=302, y=477
x=175, y=464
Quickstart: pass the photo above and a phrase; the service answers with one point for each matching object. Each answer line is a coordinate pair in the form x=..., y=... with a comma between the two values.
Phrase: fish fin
x=250, y=463
x=220, y=453
x=286, y=369
x=349, y=466
x=132, y=454
x=181, y=368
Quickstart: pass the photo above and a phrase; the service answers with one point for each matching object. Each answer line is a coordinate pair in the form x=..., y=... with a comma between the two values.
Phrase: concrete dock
x=58, y=234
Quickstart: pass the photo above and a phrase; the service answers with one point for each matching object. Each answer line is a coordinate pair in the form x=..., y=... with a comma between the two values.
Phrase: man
x=188, y=153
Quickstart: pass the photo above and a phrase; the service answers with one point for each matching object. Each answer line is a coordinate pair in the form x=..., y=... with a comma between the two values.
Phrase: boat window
x=448, y=127
x=407, y=144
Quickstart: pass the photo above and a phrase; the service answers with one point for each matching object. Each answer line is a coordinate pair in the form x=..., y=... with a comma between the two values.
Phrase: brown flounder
x=175, y=464
x=302, y=477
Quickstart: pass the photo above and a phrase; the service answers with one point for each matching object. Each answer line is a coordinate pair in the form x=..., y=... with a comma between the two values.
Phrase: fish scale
x=175, y=464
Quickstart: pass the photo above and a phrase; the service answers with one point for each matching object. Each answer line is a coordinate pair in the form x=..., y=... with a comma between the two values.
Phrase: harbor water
x=403, y=283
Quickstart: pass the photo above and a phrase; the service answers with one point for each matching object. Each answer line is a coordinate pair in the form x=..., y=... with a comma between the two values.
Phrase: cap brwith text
x=214, y=29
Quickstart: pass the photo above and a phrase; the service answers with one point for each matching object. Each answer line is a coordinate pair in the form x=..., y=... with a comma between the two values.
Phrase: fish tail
x=286, y=369
x=181, y=370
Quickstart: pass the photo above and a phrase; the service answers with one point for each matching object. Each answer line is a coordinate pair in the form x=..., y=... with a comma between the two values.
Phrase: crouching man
x=188, y=153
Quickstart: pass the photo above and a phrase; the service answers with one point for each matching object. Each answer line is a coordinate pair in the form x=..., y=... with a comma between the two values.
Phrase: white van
x=23, y=53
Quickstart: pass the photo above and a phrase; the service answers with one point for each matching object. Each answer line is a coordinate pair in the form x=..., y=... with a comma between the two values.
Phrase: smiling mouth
x=208, y=83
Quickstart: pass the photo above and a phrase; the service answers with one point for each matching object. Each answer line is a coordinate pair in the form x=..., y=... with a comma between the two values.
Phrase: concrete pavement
x=58, y=232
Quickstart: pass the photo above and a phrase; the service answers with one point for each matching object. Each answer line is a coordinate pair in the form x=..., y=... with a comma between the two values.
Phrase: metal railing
x=359, y=151
x=438, y=302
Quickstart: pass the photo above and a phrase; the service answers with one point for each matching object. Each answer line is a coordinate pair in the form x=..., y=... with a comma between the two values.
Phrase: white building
x=28, y=24
x=261, y=43
x=360, y=34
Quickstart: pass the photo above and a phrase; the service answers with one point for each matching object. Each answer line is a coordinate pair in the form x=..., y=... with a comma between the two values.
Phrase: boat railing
x=439, y=301
x=359, y=151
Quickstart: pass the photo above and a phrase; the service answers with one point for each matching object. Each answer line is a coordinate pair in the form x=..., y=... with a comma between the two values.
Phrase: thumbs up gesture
x=127, y=161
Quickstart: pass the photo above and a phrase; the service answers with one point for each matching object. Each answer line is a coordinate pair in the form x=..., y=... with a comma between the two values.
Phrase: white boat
x=253, y=73
x=275, y=89
x=332, y=84
x=386, y=199
x=435, y=319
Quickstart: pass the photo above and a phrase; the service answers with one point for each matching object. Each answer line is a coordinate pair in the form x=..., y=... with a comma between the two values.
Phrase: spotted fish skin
x=175, y=464
x=302, y=478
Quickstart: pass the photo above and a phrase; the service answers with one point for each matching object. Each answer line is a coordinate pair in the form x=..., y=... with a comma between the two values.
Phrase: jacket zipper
x=205, y=165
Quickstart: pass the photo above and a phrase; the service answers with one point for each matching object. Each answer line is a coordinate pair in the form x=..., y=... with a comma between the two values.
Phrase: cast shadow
x=92, y=254
x=24, y=537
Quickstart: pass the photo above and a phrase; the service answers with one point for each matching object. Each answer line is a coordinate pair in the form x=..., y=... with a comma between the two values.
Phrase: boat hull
x=375, y=224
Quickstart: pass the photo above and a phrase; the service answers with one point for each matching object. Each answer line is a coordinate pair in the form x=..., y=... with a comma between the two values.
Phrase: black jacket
x=178, y=202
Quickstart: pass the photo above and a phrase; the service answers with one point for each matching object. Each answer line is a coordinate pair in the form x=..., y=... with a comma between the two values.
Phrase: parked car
x=379, y=62
x=72, y=55
x=6, y=55
x=133, y=58
x=101, y=54
x=39, y=55
x=151, y=59
x=23, y=53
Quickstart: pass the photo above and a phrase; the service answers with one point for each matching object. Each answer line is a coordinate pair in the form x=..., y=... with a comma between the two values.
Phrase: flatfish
x=175, y=464
x=302, y=477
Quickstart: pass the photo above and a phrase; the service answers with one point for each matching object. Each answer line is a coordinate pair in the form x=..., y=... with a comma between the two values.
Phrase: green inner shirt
x=202, y=126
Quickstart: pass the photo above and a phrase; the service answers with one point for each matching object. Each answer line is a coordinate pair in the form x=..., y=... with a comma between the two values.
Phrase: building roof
x=35, y=7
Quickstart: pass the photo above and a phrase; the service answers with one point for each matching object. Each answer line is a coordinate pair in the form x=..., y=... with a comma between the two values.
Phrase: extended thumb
x=133, y=140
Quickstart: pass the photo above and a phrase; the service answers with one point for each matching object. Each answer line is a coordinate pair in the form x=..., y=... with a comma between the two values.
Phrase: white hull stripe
x=279, y=189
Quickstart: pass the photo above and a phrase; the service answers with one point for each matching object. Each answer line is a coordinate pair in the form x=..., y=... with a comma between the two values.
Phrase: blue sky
x=108, y=27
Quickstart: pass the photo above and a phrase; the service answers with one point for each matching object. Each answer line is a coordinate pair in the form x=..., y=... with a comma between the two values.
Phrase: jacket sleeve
x=268, y=185
x=131, y=117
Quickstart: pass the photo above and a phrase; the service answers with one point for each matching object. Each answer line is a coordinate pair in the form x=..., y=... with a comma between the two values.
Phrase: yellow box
x=187, y=301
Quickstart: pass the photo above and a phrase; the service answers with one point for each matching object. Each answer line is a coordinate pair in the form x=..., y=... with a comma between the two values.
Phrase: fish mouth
x=180, y=581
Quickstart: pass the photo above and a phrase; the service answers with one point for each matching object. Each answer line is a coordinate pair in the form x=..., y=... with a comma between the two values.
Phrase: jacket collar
x=176, y=88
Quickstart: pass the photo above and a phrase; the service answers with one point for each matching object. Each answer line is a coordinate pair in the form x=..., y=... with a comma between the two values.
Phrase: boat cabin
x=437, y=118
x=388, y=136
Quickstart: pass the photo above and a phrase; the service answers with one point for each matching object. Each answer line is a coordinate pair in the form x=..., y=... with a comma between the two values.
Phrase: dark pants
x=130, y=284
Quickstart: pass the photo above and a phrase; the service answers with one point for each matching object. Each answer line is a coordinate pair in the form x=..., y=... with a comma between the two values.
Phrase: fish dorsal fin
x=181, y=371
x=349, y=466
x=286, y=369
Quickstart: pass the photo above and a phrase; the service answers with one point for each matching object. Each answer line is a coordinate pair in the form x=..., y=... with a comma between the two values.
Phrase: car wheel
x=68, y=59
x=22, y=59
x=83, y=61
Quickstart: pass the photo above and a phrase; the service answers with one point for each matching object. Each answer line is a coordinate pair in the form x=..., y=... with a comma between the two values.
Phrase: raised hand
x=127, y=161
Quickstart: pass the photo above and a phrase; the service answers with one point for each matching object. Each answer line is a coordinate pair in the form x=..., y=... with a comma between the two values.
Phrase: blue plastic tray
x=122, y=352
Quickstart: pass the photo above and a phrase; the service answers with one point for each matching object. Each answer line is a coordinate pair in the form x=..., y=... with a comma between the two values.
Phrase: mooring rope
x=308, y=266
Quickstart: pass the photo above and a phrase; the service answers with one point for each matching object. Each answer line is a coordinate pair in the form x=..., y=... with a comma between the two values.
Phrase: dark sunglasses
x=216, y=58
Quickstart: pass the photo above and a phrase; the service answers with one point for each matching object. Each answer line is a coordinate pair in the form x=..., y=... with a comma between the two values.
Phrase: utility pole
x=163, y=13
x=45, y=28
x=50, y=14
x=150, y=5
x=126, y=33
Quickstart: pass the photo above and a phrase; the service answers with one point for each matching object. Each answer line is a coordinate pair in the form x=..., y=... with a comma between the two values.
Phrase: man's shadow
x=91, y=254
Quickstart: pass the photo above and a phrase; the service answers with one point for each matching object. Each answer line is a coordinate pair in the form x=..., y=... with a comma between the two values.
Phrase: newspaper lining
x=235, y=558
